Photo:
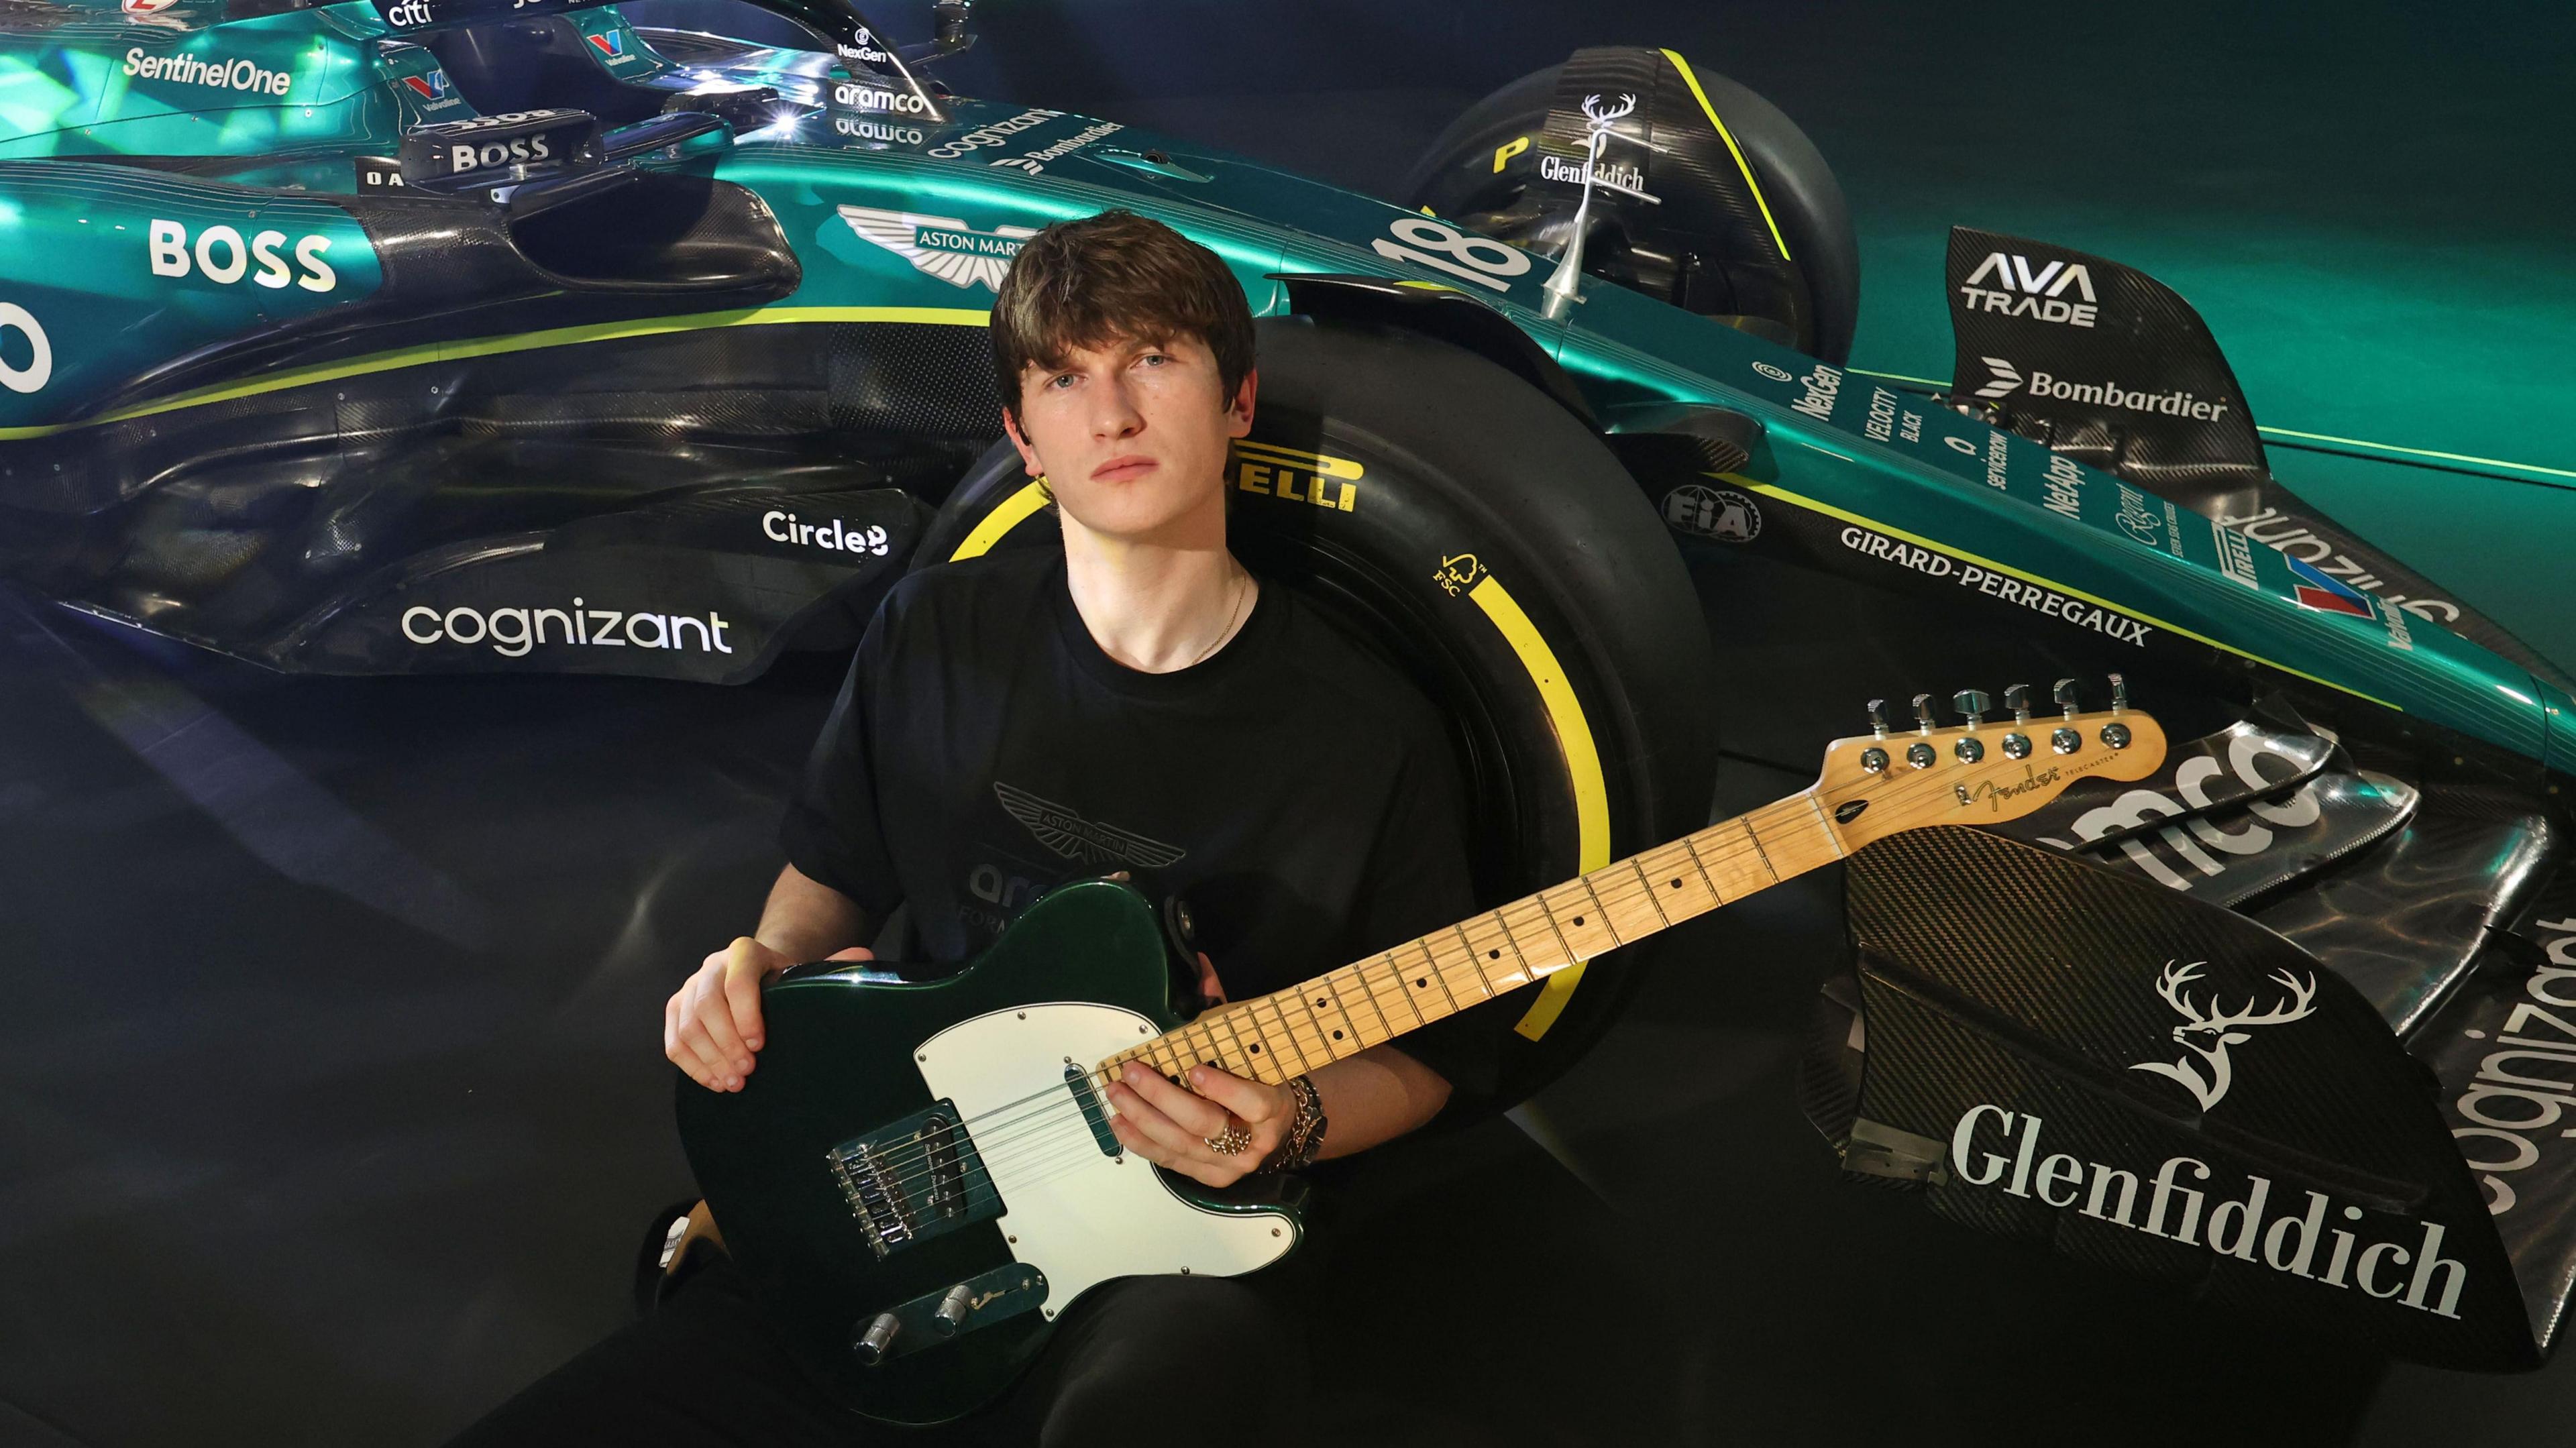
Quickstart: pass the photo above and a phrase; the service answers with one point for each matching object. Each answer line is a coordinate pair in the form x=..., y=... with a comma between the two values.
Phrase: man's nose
x=1114, y=413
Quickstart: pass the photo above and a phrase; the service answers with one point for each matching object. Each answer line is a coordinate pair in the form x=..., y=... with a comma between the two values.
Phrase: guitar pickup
x=913, y=1179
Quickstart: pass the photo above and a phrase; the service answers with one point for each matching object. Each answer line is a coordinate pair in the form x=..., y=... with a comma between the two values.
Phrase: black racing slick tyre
x=1484, y=540
x=1483, y=172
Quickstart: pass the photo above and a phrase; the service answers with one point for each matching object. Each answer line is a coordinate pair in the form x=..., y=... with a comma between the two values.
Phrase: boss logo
x=221, y=256
x=463, y=156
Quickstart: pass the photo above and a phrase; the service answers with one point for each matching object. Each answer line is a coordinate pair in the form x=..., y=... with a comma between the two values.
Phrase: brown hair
x=1115, y=277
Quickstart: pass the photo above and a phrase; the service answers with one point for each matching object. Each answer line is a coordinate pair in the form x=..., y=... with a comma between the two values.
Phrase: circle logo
x=1776, y=374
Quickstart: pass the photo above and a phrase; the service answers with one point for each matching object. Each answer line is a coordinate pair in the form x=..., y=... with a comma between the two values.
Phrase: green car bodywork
x=116, y=262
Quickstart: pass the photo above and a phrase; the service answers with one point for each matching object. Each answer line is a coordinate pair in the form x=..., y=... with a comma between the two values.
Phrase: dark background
x=330, y=1100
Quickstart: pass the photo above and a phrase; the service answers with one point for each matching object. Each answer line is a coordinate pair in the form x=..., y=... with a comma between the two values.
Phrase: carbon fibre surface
x=2133, y=1079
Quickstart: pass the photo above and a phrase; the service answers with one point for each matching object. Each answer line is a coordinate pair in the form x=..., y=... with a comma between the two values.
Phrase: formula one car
x=401, y=336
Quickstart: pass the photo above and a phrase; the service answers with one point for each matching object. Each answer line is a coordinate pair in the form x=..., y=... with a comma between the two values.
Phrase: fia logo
x=1713, y=513
x=2208, y=1034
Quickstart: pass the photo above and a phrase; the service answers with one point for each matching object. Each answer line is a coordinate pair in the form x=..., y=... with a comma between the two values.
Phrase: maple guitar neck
x=1871, y=786
x=1341, y=1013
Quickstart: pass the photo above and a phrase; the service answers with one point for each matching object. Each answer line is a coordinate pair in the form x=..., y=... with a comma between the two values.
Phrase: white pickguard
x=1074, y=1214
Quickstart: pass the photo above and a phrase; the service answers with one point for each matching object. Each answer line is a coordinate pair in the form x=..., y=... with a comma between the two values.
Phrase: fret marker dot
x=1422, y=983
x=1493, y=955
x=1319, y=1005
x=1677, y=884
x=1337, y=1035
x=1256, y=1048
x=1578, y=919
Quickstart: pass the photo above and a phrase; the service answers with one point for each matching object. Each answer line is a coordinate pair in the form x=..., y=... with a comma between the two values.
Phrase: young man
x=1137, y=702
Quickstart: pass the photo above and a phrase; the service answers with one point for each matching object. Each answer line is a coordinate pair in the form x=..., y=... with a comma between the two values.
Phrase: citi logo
x=409, y=12
x=2018, y=291
x=2208, y=1034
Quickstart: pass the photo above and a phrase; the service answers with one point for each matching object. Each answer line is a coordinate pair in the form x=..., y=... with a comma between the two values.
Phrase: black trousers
x=1142, y=1361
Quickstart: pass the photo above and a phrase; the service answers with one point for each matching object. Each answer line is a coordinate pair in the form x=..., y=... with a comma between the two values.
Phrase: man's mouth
x=1123, y=469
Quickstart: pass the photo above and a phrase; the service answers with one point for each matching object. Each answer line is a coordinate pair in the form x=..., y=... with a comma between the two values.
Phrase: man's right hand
x=711, y=1026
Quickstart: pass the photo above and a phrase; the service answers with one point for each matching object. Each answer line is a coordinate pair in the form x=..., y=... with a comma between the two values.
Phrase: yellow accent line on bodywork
x=1813, y=505
x=1683, y=66
x=1582, y=769
x=1014, y=511
x=519, y=342
x=2414, y=452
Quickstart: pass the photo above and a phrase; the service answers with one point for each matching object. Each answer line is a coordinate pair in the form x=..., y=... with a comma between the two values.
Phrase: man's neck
x=1158, y=604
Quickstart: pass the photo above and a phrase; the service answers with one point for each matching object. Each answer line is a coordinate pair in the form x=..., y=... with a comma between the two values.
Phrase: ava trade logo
x=2325, y=593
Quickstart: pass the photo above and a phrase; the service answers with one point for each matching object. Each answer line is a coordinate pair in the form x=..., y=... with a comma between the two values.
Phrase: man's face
x=1132, y=437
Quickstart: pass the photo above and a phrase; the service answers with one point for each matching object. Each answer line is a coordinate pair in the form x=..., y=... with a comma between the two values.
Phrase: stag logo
x=2209, y=1034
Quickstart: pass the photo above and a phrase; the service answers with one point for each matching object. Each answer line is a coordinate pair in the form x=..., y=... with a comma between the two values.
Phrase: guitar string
x=994, y=1139
x=1010, y=1151
x=997, y=1151
x=1007, y=1145
x=1041, y=1123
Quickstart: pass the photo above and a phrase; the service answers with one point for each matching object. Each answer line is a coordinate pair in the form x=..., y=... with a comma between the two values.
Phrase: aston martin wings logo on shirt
x=1076, y=838
x=942, y=246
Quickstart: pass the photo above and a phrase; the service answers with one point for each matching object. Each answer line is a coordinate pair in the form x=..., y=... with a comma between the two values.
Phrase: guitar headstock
x=1983, y=771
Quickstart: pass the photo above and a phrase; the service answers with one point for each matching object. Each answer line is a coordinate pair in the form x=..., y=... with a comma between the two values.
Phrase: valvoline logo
x=432, y=87
x=2326, y=594
x=611, y=43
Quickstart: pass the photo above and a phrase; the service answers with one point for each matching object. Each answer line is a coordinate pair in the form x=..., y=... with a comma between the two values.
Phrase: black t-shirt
x=1297, y=793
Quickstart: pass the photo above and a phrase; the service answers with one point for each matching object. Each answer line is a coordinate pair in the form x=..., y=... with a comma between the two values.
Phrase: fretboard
x=1276, y=1037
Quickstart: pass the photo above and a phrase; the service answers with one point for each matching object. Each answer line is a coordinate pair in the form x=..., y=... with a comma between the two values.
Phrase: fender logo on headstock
x=1994, y=795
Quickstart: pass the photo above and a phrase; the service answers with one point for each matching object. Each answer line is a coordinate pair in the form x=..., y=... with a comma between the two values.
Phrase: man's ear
x=1028, y=454
x=1239, y=412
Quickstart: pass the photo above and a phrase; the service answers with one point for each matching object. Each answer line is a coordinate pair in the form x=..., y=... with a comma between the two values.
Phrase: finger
x=733, y=1016
x=855, y=952
x=1183, y=1106
x=1251, y=1100
x=714, y=1071
x=671, y=1026
x=1210, y=987
x=1177, y=1141
x=1135, y=1140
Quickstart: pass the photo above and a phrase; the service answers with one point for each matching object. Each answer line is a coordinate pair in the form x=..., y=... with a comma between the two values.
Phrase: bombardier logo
x=2004, y=379
x=2006, y=284
x=942, y=246
x=1076, y=838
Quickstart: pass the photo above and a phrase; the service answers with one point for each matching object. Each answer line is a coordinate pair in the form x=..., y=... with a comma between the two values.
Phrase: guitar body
x=908, y=1148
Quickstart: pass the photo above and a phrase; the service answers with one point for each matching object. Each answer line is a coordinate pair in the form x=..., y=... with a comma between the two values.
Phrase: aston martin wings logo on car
x=942, y=246
x=1076, y=838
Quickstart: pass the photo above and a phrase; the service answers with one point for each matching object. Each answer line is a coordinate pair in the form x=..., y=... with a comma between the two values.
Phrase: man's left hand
x=1171, y=1126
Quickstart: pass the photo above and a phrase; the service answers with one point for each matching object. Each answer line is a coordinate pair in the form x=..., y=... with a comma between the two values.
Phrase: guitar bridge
x=913, y=1179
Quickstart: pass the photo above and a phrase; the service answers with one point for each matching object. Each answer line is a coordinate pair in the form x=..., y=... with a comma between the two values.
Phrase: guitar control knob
x=951, y=1314
x=876, y=1339
x=1973, y=703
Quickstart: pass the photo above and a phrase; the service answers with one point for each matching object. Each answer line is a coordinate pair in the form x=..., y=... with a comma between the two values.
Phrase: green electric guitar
x=920, y=1178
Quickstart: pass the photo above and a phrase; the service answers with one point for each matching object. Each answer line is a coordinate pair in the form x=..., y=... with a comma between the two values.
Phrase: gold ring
x=1234, y=1138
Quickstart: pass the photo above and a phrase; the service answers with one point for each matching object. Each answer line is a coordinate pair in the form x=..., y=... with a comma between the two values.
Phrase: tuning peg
x=2064, y=694
x=1923, y=713
x=1973, y=703
x=1878, y=718
x=2017, y=699
x=2119, y=694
